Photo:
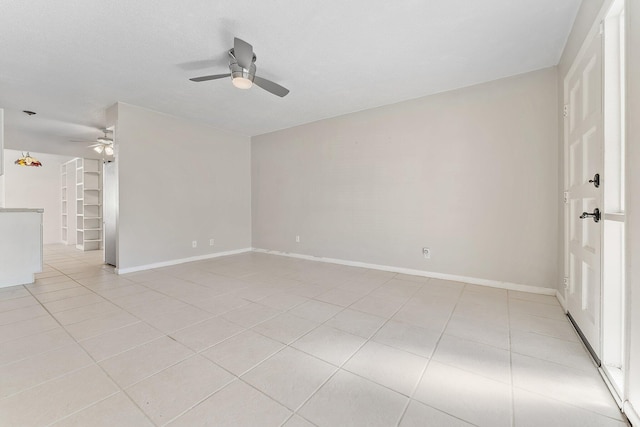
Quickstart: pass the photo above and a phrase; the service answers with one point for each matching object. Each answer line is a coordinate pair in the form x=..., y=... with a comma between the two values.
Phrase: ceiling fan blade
x=270, y=86
x=212, y=77
x=243, y=52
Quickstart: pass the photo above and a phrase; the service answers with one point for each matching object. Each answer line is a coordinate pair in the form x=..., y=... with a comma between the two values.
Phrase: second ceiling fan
x=242, y=69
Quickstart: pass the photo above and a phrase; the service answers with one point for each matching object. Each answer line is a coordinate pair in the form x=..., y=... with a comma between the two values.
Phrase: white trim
x=422, y=273
x=630, y=412
x=561, y=300
x=612, y=389
x=180, y=261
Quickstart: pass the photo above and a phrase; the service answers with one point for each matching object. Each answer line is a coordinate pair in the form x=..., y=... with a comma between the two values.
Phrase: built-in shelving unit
x=88, y=204
x=65, y=207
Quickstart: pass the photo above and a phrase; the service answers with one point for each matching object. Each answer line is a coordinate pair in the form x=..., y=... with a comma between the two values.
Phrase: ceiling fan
x=243, y=70
x=101, y=144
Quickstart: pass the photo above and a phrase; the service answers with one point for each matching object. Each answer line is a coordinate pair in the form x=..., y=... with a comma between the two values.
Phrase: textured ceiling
x=69, y=60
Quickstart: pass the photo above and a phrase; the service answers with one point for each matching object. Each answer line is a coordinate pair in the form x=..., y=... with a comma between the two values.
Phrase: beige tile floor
x=262, y=340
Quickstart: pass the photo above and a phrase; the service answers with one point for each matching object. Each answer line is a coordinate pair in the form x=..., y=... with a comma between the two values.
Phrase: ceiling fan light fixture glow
x=242, y=83
x=98, y=148
x=108, y=150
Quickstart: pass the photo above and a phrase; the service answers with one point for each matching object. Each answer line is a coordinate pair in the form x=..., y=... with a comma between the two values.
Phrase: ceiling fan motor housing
x=239, y=72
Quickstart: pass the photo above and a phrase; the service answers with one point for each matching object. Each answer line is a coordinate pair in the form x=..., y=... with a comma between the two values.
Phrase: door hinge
x=565, y=197
x=565, y=110
x=565, y=282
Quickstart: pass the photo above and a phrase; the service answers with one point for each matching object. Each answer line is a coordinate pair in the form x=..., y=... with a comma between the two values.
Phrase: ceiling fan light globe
x=108, y=150
x=242, y=83
x=98, y=149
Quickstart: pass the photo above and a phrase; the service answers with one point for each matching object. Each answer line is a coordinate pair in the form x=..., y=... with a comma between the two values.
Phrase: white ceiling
x=69, y=60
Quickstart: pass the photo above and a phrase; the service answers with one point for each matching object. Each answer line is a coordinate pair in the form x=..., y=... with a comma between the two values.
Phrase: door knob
x=595, y=215
x=596, y=180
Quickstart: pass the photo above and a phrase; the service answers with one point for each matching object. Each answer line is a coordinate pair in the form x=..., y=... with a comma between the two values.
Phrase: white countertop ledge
x=21, y=210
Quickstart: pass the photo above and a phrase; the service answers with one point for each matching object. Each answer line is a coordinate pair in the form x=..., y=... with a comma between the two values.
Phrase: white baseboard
x=560, y=298
x=180, y=261
x=433, y=275
x=631, y=413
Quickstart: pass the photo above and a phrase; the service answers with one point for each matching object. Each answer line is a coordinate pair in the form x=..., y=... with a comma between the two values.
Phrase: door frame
x=619, y=394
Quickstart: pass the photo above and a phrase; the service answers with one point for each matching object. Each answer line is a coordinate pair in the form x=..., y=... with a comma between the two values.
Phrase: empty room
x=281, y=213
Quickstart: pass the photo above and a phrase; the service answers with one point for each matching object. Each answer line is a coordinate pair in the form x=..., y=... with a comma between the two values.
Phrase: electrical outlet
x=426, y=252
x=297, y=239
x=210, y=242
x=194, y=244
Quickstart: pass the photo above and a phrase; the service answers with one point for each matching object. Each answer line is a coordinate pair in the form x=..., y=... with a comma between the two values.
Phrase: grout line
x=424, y=370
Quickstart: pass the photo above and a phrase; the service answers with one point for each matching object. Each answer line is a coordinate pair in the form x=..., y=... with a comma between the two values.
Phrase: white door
x=583, y=88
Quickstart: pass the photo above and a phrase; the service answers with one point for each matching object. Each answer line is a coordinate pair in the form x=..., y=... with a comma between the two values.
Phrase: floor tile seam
x=522, y=330
x=33, y=386
x=340, y=366
x=451, y=334
x=31, y=334
x=555, y=303
x=76, y=285
x=424, y=370
x=55, y=319
x=123, y=286
x=564, y=402
x=295, y=414
x=212, y=345
x=145, y=321
x=518, y=329
x=401, y=349
x=7, y=291
x=180, y=360
x=572, y=367
x=175, y=298
x=561, y=318
x=140, y=344
x=110, y=311
x=595, y=374
x=313, y=393
x=443, y=411
x=73, y=308
x=95, y=363
x=63, y=298
x=82, y=409
x=56, y=347
x=125, y=391
x=21, y=308
x=255, y=365
x=33, y=300
x=253, y=325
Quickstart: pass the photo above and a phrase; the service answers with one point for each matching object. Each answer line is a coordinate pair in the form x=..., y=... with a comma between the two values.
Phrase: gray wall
x=178, y=181
x=471, y=173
